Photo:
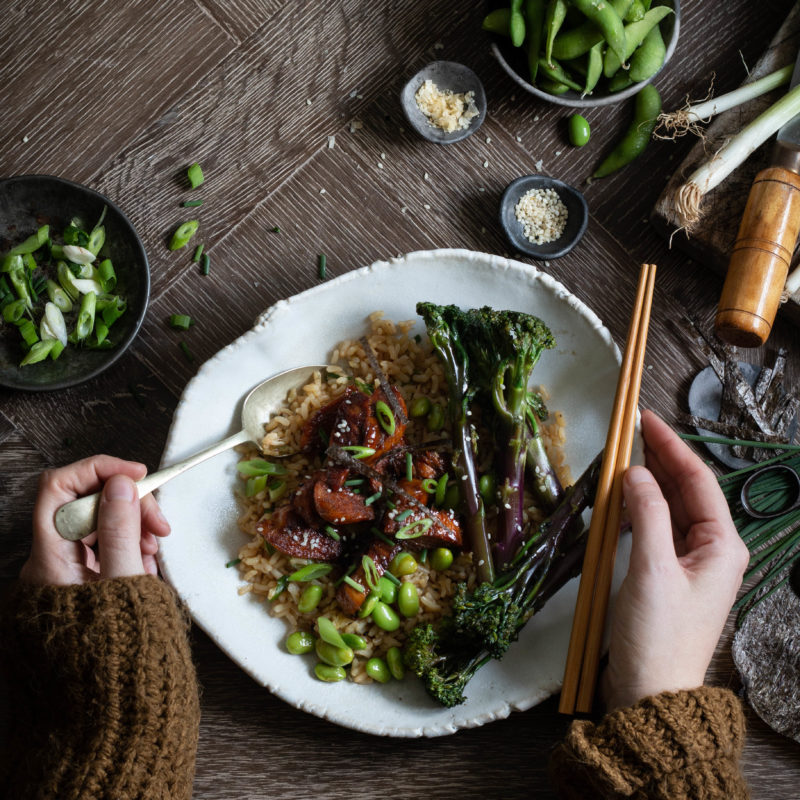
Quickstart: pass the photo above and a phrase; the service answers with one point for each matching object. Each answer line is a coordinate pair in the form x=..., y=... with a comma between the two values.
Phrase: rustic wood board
x=712, y=240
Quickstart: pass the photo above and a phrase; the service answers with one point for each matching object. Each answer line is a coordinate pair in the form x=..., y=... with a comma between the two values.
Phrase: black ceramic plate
x=28, y=201
x=577, y=216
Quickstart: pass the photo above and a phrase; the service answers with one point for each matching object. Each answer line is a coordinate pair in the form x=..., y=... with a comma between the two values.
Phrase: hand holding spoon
x=78, y=518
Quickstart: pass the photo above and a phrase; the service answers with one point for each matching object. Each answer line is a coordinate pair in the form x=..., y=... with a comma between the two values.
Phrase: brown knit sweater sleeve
x=668, y=747
x=102, y=689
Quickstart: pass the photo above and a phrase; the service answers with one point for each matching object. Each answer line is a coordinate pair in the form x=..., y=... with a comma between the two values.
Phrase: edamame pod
x=555, y=72
x=534, y=20
x=594, y=69
x=635, y=12
x=516, y=24
x=576, y=41
x=605, y=16
x=646, y=110
x=497, y=21
x=634, y=36
x=622, y=80
x=647, y=60
x=554, y=19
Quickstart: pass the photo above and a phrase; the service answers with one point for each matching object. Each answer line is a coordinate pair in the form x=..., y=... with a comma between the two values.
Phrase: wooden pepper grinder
x=763, y=252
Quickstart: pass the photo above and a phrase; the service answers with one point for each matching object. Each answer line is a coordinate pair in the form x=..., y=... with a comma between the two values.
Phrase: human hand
x=686, y=565
x=126, y=527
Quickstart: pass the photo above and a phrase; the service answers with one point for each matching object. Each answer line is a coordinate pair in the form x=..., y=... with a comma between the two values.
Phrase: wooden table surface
x=121, y=96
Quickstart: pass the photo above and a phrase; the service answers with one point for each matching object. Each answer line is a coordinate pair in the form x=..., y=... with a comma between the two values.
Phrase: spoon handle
x=78, y=518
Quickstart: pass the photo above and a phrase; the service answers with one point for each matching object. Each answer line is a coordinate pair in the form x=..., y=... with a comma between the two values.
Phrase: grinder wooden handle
x=760, y=259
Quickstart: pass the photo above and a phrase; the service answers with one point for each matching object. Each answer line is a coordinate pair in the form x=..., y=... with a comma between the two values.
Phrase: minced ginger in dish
x=447, y=110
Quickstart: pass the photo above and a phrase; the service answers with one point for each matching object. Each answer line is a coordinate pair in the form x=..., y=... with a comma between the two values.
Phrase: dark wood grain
x=153, y=87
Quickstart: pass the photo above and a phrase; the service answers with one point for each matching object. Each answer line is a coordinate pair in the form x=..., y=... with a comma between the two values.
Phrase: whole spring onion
x=689, y=196
x=686, y=120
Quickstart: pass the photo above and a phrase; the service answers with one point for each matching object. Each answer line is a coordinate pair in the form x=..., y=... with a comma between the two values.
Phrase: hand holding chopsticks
x=583, y=657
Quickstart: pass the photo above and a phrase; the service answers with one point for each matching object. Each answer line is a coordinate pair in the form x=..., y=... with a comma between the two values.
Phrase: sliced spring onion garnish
x=332, y=532
x=354, y=584
x=280, y=588
x=234, y=562
x=192, y=203
x=441, y=490
x=85, y=323
x=258, y=466
x=385, y=417
x=382, y=536
x=106, y=275
x=392, y=578
x=58, y=297
x=430, y=485
x=358, y=451
x=183, y=233
x=322, y=262
x=372, y=498
x=198, y=251
x=409, y=466
x=371, y=574
x=186, y=351
x=327, y=630
x=195, y=175
x=181, y=322
x=413, y=530
x=310, y=572
x=205, y=264
x=255, y=485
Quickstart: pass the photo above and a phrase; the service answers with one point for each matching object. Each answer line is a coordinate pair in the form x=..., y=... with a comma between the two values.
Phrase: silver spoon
x=78, y=518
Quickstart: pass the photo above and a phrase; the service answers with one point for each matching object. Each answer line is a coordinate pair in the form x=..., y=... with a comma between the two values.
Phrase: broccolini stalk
x=446, y=340
x=503, y=348
x=485, y=622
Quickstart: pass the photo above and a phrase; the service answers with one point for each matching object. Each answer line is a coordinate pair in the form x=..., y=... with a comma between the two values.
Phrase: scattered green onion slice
x=441, y=490
x=409, y=466
x=258, y=466
x=234, y=562
x=403, y=515
x=32, y=243
x=186, y=351
x=96, y=240
x=328, y=633
x=191, y=203
x=181, y=322
x=385, y=417
x=283, y=582
x=372, y=498
x=195, y=175
x=354, y=584
x=205, y=264
x=371, y=574
x=392, y=578
x=85, y=323
x=183, y=233
x=198, y=251
x=430, y=485
x=322, y=262
x=332, y=532
x=310, y=572
x=255, y=485
x=382, y=536
x=38, y=352
x=106, y=275
x=358, y=451
x=28, y=332
x=413, y=530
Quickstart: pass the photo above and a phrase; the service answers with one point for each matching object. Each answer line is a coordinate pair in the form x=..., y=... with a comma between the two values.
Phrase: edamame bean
x=579, y=130
x=394, y=660
x=300, y=642
x=486, y=487
x=442, y=558
x=647, y=60
x=497, y=21
x=310, y=598
x=385, y=617
x=408, y=599
x=387, y=590
x=435, y=421
x=646, y=110
x=403, y=564
x=354, y=641
x=329, y=674
x=335, y=656
x=369, y=603
x=377, y=670
x=421, y=406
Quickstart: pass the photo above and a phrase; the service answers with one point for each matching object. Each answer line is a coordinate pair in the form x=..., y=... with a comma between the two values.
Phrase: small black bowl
x=26, y=203
x=577, y=216
x=448, y=76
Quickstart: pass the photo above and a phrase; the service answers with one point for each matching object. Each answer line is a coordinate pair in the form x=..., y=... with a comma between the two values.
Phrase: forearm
x=102, y=691
x=668, y=747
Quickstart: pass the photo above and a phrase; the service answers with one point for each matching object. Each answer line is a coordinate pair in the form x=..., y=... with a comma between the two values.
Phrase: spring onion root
x=688, y=119
x=688, y=198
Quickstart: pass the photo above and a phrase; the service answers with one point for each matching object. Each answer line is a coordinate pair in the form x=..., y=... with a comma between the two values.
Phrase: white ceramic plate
x=580, y=375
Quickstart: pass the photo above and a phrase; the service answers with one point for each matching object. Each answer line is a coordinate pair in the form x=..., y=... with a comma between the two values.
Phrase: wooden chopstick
x=580, y=674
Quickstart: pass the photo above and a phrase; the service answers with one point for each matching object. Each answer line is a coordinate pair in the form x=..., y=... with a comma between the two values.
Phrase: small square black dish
x=577, y=217
x=447, y=76
x=30, y=201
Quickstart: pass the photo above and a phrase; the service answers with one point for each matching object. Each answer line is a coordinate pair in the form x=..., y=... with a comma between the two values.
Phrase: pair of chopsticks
x=583, y=656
